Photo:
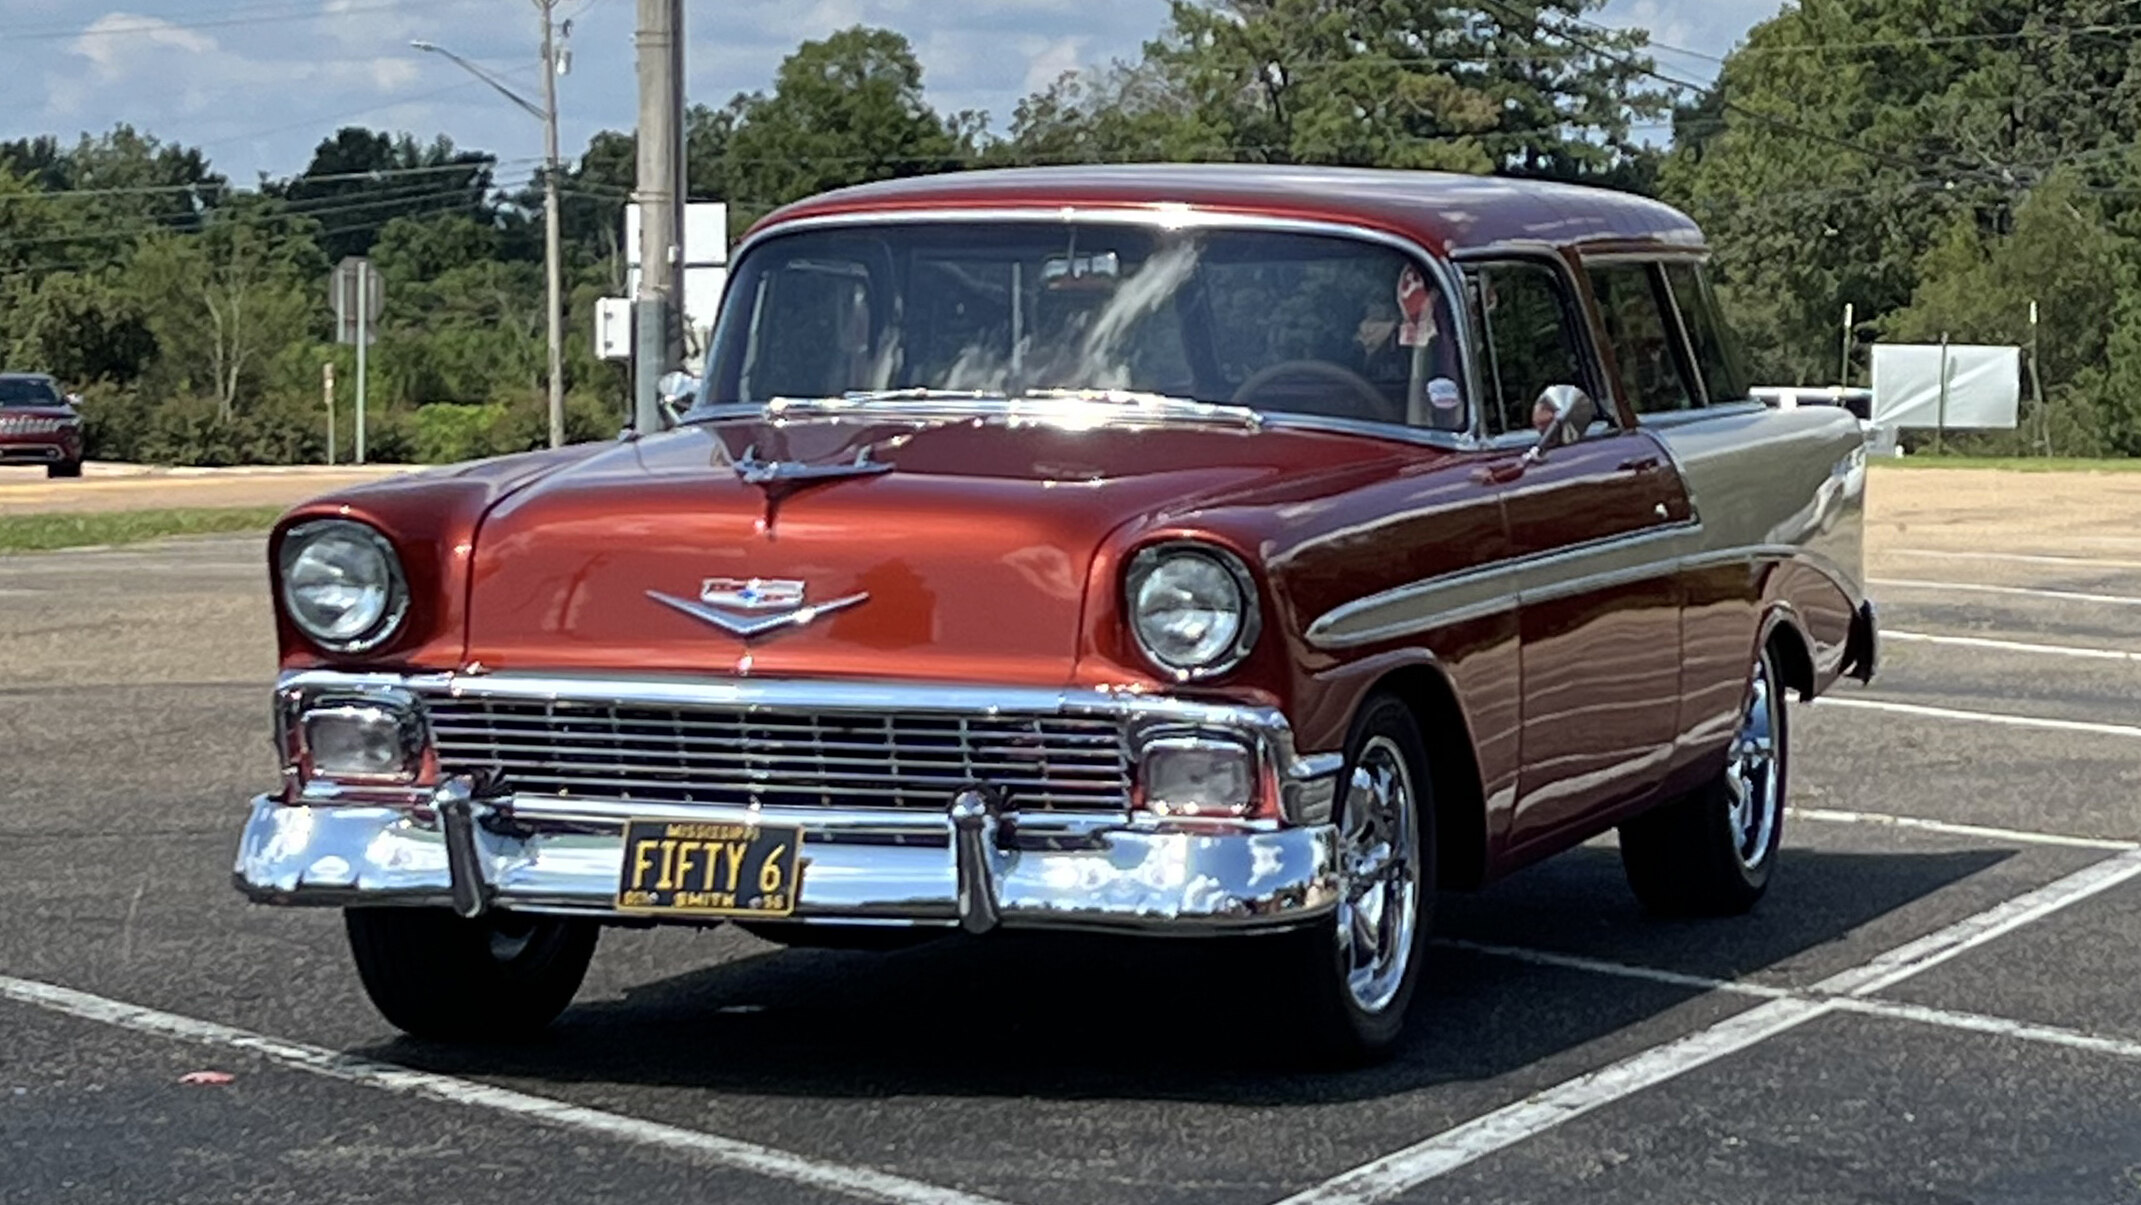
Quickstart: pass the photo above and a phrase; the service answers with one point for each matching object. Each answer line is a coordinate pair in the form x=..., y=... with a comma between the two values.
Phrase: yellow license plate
x=678, y=866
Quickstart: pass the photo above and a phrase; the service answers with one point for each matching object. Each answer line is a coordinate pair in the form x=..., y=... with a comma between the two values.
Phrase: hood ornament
x=754, y=471
x=721, y=598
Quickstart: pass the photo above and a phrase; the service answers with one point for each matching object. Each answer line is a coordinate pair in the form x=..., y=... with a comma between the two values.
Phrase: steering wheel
x=1353, y=397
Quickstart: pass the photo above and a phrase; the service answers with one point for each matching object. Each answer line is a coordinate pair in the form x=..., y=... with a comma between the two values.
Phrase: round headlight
x=1193, y=609
x=342, y=584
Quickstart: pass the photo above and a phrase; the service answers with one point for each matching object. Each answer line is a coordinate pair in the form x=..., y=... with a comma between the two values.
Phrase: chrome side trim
x=1491, y=589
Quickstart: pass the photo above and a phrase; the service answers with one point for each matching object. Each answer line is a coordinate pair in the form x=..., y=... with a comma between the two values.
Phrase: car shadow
x=1077, y=1017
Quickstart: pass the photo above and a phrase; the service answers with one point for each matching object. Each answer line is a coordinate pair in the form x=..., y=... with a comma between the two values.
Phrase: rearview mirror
x=1561, y=415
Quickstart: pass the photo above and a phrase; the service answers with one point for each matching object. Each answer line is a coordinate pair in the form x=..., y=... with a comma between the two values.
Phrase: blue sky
x=258, y=82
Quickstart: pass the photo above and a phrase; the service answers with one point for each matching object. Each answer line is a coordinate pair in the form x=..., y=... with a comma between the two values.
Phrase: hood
x=967, y=558
x=40, y=414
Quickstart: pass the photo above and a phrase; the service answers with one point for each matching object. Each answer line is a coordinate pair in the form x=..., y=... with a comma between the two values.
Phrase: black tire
x=1342, y=1031
x=1696, y=856
x=70, y=468
x=500, y=977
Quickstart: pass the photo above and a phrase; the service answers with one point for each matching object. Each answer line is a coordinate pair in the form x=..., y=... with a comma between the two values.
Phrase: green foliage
x=42, y=533
x=1938, y=166
x=444, y=432
x=359, y=181
x=1381, y=83
x=844, y=110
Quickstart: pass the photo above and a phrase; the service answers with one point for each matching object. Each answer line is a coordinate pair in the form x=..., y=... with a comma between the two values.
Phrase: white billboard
x=1984, y=386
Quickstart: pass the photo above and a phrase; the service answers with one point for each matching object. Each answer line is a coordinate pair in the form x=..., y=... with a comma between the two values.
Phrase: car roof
x=47, y=378
x=1446, y=212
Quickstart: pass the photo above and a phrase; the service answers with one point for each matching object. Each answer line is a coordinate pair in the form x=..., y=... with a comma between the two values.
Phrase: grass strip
x=2012, y=464
x=45, y=532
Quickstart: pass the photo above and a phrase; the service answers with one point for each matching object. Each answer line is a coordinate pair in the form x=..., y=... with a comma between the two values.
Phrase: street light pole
x=553, y=247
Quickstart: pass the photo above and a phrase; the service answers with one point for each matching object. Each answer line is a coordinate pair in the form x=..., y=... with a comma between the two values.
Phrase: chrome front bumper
x=965, y=869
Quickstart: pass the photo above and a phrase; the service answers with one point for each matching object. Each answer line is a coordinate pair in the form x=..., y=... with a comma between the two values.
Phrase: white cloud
x=1053, y=60
x=258, y=85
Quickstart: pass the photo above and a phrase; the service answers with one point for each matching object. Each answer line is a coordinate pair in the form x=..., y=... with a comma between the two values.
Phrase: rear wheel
x=436, y=975
x=1712, y=851
x=65, y=468
x=1357, y=972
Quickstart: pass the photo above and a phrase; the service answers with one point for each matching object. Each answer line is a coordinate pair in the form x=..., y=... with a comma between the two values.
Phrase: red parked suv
x=39, y=425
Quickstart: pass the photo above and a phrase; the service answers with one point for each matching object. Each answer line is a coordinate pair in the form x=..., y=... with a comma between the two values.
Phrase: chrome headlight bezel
x=394, y=606
x=1249, y=626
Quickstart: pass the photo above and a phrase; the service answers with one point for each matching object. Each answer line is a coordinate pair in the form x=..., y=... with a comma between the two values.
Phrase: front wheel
x=435, y=975
x=1712, y=851
x=66, y=468
x=1358, y=971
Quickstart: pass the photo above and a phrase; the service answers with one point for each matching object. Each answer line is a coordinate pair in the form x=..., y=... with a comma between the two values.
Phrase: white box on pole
x=1984, y=386
x=613, y=328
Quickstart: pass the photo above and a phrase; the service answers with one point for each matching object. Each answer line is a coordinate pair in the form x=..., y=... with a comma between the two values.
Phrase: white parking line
x=2017, y=557
x=2029, y=1031
x=859, y=1182
x=1403, y=1170
x=2019, y=836
x=1981, y=717
x=1900, y=583
x=2011, y=646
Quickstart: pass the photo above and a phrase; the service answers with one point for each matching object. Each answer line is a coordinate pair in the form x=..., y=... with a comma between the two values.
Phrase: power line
x=134, y=25
x=2019, y=35
x=224, y=186
x=1713, y=92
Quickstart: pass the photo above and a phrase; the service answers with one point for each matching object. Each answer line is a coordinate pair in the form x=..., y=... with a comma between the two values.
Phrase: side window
x=1717, y=354
x=1527, y=340
x=1643, y=339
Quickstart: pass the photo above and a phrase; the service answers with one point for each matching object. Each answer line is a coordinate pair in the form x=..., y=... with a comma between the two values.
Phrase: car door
x=1591, y=526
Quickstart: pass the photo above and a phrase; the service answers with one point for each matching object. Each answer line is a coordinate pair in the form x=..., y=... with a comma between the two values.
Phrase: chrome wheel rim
x=1379, y=870
x=1754, y=774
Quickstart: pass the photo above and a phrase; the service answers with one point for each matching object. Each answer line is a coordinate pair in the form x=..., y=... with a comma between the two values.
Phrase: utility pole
x=327, y=386
x=555, y=62
x=658, y=342
x=2044, y=417
x=364, y=337
x=1843, y=374
x=1940, y=417
x=553, y=249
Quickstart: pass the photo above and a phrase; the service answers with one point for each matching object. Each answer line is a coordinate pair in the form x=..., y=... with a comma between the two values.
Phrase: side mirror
x=74, y=399
x=678, y=388
x=1562, y=414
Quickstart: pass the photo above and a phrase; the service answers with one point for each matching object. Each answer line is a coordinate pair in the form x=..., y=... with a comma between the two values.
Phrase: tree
x=1501, y=86
x=360, y=180
x=223, y=303
x=1847, y=140
x=844, y=110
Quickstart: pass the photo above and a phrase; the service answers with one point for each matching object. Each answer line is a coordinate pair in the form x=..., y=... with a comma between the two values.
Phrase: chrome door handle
x=1643, y=464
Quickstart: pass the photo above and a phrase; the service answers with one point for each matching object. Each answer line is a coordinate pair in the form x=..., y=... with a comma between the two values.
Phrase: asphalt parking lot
x=1936, y=1002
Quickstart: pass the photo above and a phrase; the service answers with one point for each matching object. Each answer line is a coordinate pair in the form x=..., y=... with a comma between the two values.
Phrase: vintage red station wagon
x=1241, y=552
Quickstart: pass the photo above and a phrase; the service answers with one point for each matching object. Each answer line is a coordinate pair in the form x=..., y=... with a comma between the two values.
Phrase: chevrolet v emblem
x=721, y=597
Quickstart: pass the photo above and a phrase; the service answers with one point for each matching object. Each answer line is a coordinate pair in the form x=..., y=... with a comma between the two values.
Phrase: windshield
x=1277, y=321
x=27, y=391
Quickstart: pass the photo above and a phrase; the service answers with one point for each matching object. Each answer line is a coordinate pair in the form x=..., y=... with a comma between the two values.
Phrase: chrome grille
x=601, y=750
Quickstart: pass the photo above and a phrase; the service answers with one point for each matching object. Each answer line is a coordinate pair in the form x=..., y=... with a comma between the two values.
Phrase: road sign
x=352, y=277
